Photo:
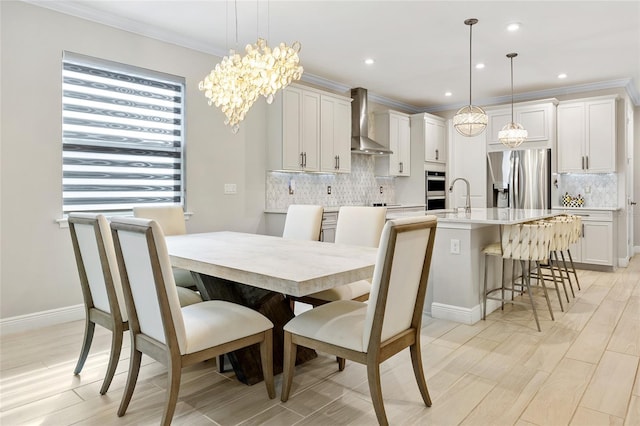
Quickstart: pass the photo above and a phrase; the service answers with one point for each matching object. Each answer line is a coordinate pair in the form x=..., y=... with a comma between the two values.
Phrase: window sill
x=64, y=223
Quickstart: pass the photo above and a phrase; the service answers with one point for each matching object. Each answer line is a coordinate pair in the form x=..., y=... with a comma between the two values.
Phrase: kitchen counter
x=579, y=209
x=334, y=209
x=482, y=216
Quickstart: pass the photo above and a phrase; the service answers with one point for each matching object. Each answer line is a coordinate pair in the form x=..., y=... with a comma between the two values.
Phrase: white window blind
x=122, y=136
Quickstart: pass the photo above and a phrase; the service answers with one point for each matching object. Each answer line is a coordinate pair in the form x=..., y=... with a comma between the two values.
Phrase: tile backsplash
x=360, y=187
x=598, y=190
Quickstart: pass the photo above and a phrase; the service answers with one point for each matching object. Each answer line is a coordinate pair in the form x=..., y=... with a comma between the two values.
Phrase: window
x=122, y=136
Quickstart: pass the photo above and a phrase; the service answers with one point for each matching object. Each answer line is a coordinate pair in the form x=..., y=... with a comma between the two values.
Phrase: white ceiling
x=421, y=48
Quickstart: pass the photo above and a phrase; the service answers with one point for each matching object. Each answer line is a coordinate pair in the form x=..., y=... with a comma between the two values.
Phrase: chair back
x=527, y=241
x=97, y=264
x=303, y=222
x=360, y=225
x=399, y=280
x=147, y=279
x=170, y=218
x=576, y=228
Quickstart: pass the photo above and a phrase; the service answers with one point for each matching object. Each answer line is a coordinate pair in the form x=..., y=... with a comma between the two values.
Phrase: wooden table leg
x=246, y=361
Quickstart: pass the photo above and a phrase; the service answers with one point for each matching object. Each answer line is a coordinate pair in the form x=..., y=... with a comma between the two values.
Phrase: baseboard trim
x=636, y=249
x=623, y=262
x=456, y=313
x=41, y=319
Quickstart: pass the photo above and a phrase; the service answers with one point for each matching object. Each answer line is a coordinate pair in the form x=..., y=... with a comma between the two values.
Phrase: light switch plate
x=230, y=188
x=455, y=246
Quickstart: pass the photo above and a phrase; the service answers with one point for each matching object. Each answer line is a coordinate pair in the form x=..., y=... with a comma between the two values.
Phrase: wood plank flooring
x=582, y=369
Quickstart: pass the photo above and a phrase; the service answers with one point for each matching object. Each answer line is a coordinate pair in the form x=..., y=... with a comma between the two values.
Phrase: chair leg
x=484, y=292
x=266, y=357
x=341, y=363
x=557, y=262
x=220, y=363
x=373, y=375
x=132, y=378
x=555, y=282
x=114, y=357
x=544, y=288
x=89, y=329
x=573, y=268
x=566, y=271
x=173, y=387
x=533, y=305
x=416, y=360
x=502, y=285
x=289, y=361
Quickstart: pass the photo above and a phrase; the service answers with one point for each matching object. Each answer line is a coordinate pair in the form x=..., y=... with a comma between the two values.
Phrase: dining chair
x=303, y=222
x=101, y=288
x=174, y=336
x=358, y=226
x=371, y=332
x=171, y=220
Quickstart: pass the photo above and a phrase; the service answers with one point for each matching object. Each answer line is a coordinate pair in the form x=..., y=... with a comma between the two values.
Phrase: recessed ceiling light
x=479, y=66
x=369, y=61
x=448, y=93
x=513, y=27
x=562, y=75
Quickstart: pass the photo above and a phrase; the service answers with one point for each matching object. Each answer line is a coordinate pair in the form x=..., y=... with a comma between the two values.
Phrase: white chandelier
x=237, y=81
x=512, y=134
x=470, y=120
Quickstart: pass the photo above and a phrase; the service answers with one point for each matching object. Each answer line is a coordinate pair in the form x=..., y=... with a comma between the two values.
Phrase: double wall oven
x=435, y=186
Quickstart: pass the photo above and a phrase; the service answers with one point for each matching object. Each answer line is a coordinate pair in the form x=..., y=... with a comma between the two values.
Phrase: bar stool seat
x=527, y=242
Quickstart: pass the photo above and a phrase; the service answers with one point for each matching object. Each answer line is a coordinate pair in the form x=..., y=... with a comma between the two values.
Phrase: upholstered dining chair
x=303, y=222
x=174, y=336
x=171, y=220
x=101, y=288
x=358, y=226
x=370, y=333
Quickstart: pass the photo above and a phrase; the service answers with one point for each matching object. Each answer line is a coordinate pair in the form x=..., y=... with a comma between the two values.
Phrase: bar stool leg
x=573, y=268
x=557, y=263
x=484, y=292
x=566, y=270
x=544, y=288
x=533, y=305
x=502, y=274
x=553, y=275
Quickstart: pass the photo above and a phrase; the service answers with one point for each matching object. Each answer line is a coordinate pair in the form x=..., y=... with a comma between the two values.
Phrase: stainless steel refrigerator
x=519, y=179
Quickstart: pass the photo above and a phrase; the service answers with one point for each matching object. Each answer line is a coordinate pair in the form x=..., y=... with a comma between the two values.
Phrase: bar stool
x=526, y=242
x=574, y=235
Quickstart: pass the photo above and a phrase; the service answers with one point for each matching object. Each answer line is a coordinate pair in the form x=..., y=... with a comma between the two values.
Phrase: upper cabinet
x=587, y=135
x=309, y=130
x=537, y=117
x=335, y=134
x=392, y=129
x=430, y=130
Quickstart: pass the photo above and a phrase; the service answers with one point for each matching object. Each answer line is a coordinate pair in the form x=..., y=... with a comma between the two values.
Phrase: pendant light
x=512, y=134
x=470, y=120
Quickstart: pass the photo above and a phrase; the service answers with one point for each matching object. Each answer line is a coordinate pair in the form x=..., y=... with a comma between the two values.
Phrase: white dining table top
x=297, y=268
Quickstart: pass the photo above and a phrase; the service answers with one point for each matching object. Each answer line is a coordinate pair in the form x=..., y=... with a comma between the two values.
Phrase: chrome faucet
x=467, y=207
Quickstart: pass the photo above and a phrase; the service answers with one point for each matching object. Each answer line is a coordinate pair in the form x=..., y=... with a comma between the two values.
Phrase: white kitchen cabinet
x=392, y=129
x=298, y=131
x=467, y=159
x=596, y=242
x=335, y=134
x=430, y=130
x=538, y=118
x=587, y=135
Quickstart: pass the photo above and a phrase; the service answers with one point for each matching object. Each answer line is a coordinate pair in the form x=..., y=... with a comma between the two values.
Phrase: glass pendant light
x=512, y=134
x=470, y=120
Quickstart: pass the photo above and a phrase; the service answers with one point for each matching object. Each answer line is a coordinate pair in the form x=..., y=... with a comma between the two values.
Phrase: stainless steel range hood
x=360, y=141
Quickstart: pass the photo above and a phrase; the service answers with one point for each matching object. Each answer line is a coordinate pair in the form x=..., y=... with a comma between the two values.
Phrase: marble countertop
x=486, y=216
x=578, y=209
x=334, y=209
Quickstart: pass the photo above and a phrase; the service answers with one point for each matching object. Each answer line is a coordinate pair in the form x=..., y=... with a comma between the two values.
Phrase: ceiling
x=420, y=48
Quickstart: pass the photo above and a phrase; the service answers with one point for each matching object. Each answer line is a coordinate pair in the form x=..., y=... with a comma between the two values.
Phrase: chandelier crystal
x=470, y=120
x=238, y=81
x=512, y=134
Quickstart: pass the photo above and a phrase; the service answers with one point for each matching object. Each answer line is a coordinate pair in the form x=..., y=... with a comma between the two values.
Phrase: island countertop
x=483, y=216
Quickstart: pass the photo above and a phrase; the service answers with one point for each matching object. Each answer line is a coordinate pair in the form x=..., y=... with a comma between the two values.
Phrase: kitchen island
x=457, y=268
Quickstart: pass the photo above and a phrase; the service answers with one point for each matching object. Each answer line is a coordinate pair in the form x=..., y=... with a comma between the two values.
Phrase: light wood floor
x=582, y=369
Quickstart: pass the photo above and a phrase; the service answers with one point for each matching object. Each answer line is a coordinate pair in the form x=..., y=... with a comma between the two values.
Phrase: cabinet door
x=597, y=243
x=434, y=141
x=291, y=129
x=497, y=120
x=335, y=135
x=404, y=146
x=601, y=136
x=571, y=136
x=536, y=120
x=394, y=145
x=310, y=137
x=468, y=160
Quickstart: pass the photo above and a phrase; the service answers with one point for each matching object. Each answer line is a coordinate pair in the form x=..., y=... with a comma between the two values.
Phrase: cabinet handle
x=436, y=154
x=583, y=230
x=587, y=161
x=338, y=162
x=301, y=159
x=401, y=167
x=582, y=162
x=304, y=161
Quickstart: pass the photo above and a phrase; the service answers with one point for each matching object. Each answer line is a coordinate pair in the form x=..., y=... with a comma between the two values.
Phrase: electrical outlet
x=381, y=190
x=329, y=189
x=455, y=246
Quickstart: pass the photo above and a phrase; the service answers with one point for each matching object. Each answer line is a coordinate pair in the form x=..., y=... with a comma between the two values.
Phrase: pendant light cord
x=235, y=5
x=512, y=89
x=470, y=67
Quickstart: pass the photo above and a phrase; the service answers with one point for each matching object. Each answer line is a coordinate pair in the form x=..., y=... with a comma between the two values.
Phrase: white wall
x=37, y=268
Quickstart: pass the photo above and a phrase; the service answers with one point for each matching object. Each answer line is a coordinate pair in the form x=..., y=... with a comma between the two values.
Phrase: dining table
x=259, y=271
